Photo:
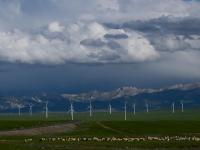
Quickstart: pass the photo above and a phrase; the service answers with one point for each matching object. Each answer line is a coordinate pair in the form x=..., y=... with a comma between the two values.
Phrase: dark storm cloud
x=166, y=33
x=112, y=25
x=163, y=25
x=93, y=42
x=103, y=55
x=116, y=36
x=98, y=43
x=72, y=78
x=114, y=45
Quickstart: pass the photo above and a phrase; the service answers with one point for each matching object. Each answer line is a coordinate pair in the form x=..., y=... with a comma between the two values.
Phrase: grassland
x=155, y=123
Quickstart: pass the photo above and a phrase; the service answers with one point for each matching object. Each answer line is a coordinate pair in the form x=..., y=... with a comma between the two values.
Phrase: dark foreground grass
x=137, y=128
x=36, y=145
x=101, y=146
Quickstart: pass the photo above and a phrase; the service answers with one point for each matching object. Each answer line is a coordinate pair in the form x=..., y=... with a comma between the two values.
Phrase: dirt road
x=53, y=129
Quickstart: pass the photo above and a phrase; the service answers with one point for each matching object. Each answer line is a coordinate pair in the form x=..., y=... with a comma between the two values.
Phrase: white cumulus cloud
x=19, y=46
x=56, y=27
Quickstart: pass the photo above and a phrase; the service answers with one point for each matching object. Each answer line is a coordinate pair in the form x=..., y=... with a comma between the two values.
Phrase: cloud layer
x=76, y=43
x=102, y=32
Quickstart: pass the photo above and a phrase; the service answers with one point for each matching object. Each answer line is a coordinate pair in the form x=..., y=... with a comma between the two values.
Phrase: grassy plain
x=155, y=123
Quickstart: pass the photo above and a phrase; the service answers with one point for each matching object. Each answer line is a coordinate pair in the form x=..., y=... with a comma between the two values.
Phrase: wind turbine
x=173, y=107
x=125, y=117
x=72, y=111
x=110, y=108
x=147, y=107
x=90, y=107
x=18, y=105
x=182, y=106
x=133, y=108
x=30, y=109
x=19, y=109
x=46, y=109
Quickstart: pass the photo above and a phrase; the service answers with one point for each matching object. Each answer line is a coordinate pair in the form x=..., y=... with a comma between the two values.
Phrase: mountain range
x=189, y=94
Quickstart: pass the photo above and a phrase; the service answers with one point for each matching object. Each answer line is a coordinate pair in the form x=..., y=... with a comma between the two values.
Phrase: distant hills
x=128, y=92
x=189, y=94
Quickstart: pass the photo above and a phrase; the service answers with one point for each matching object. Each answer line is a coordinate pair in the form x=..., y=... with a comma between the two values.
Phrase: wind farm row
x=127, y=108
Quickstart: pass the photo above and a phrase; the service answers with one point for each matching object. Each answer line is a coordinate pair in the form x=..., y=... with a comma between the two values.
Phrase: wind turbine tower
x=46, y=109
x=72, y=111
x=182, y=106
x=125, y=117
x=110, y=109
x=147, y=107
x=18, y=105
x=19, y=110
x=173, y=107
x=30, y=109
x=90, y=107
x=133, y=109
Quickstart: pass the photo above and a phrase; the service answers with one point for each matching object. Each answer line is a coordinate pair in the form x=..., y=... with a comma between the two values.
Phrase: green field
x=155, y=123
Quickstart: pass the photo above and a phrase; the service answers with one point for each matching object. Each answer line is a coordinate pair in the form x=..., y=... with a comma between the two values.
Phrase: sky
x=83, y=45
